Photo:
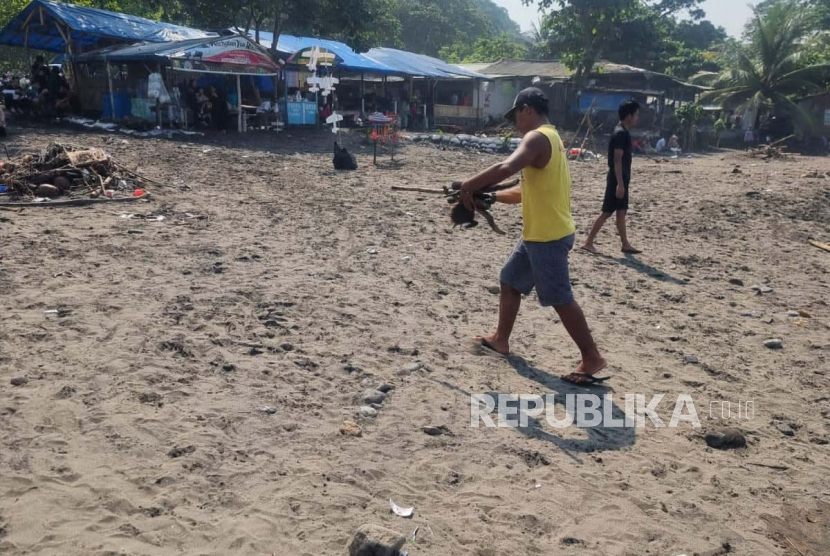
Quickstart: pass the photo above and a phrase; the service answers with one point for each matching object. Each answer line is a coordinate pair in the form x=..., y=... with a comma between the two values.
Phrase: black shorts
x=611, y=203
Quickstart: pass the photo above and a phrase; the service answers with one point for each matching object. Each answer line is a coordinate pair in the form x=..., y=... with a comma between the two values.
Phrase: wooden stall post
x=477, y=93
x=109, y=81
x=239, y=101
x=26, y=44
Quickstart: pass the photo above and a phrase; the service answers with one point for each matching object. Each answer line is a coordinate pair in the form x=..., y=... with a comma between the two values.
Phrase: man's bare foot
x=589, y=247
x=588, y=368
x=494, y=343
x=631, y=249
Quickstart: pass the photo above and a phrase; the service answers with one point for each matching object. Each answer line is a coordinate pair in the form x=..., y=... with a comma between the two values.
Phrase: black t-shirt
x=620, y=139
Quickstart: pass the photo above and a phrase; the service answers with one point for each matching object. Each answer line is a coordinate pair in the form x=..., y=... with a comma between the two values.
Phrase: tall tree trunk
x=589, y=56
x=277, y=31
x=248, y=24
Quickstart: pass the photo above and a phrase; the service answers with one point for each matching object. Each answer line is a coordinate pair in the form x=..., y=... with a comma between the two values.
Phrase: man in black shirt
x=619, y=178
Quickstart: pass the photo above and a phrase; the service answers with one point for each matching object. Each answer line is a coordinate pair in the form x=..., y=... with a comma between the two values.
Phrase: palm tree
x=772, y=67
x=538, y=37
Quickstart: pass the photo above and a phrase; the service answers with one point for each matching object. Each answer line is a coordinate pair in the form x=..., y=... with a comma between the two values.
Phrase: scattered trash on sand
x=399, y=511
x=111, y=127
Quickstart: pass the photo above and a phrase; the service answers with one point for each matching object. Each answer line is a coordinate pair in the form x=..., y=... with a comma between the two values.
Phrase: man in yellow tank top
x=540, y=260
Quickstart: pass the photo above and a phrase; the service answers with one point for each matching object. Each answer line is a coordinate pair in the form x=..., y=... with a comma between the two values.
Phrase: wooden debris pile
x=776, y=150
x=64, y=172
x=767, y=152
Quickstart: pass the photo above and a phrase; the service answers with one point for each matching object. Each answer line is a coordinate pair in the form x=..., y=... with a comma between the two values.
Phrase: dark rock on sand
x=727, y=439
x=373, y=540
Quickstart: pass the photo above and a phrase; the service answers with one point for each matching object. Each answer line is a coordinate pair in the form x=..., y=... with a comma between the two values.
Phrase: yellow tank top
x=546, y=195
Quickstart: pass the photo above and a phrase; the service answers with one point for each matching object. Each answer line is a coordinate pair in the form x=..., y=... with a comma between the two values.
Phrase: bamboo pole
x=582, y=123
x=820, y=245
x=419, y=190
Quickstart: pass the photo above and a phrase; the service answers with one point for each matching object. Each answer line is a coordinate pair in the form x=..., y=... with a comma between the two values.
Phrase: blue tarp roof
x=87, y=26
x=386, y=61
x=157, y=52
x=420, y=65
x=141, y=52
x=346, y=57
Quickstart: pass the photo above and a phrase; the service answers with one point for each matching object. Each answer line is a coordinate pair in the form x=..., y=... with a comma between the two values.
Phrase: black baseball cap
x=528, y=97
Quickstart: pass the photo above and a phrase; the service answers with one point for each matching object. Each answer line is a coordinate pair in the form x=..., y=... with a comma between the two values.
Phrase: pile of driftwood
x=773, y=150
x=69, y=175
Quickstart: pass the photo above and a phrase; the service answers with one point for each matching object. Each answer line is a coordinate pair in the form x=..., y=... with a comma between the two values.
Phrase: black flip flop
x=588, y=380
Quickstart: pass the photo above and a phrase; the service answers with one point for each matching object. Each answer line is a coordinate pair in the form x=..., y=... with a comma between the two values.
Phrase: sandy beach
x=189, y=394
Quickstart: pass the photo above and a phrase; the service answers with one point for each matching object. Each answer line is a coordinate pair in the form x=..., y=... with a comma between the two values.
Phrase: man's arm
x=512, y=196
x=618, y=171
x=527, y=153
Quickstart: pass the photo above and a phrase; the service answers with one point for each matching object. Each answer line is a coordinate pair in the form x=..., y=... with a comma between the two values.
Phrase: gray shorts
x=543, y=266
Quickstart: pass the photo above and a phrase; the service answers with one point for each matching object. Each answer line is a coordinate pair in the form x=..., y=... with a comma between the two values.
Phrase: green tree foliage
x=774, y=65
x=689, y=115
x=582, y=32
x=362, y=24
x=500, y=19
x=428, y=25
x=479, y=27
x=693, y=47
x=489, y=49
x=10, y=8
x=698, y=35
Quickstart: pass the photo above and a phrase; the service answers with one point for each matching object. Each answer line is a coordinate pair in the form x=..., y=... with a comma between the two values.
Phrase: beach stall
x=360, y=78
x=442, y=94
x=69, y=29
x=150, y=79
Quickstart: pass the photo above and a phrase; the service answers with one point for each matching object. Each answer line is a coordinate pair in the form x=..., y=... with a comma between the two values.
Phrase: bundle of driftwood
x=461, y=215
x=65, y=173
x=774, y=150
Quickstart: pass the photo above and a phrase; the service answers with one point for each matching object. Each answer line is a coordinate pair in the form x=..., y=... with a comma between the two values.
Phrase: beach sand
x=138, y=425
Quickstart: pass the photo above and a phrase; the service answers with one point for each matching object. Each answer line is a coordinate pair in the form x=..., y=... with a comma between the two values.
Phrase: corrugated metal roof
x=556, y=70
x=87, y=27
x=550, y=69
x=476, y=68
x=553, y=69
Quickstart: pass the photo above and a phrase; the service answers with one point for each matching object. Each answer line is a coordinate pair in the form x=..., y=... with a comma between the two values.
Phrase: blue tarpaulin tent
x=45, y=25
